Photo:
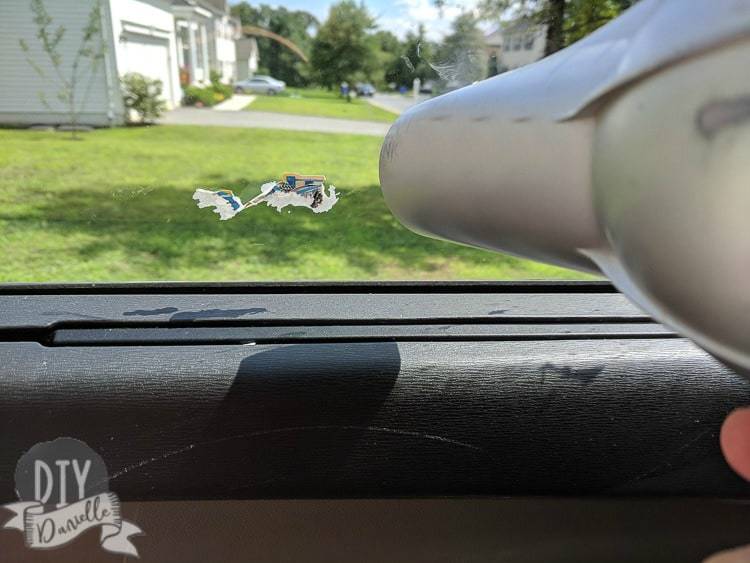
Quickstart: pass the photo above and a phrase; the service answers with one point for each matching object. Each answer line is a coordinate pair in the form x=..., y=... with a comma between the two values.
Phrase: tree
x=586, y=16
x=294, y=25
x=553, y=16
x=343, y=48
x=414, y=57
x=462, y=56
x=387, y=53
x=567, y=21
x=68, y=77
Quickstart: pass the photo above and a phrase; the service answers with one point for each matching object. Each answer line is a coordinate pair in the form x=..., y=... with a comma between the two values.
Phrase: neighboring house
x=138, y=35
x=516, y=44
x=247, y=57
x=206, y=36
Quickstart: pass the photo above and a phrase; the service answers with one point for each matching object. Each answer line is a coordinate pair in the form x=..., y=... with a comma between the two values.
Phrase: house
x=516, y=44
x=247, y=57
x=206, y=36
x=162, y=39
x=143, y=35
x=138, y=36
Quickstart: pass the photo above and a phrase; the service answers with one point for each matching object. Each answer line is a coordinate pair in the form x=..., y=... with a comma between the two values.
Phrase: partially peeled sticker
x=292, y=189
x=224, y=202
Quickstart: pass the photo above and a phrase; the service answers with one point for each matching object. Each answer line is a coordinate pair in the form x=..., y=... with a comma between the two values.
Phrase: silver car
x=259, y=84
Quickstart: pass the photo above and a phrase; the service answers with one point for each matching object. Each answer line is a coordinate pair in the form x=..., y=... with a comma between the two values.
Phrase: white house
x=206, y=36
x=157, y=38
x=516, y=44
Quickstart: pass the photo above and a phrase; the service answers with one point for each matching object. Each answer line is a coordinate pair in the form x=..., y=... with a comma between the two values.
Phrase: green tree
x=415, y=55
x=295, y=25
x=586, y=16
x=387, y=53
x=344, y=49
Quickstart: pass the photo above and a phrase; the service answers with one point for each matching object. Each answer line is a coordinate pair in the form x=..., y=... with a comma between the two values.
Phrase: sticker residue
x=292, y=189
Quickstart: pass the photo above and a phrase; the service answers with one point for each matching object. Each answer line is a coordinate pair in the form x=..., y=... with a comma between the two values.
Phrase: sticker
x=292, y=189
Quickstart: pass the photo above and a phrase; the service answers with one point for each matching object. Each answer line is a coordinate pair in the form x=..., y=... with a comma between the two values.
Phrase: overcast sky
x=397, y=16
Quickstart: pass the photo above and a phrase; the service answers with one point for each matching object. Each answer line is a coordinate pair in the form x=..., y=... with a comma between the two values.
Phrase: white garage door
x=148, y=56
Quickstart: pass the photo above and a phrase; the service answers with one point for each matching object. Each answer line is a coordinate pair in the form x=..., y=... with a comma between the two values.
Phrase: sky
x=397, y=16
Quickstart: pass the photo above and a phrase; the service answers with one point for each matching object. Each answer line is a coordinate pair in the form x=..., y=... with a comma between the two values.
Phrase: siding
x=21, y=86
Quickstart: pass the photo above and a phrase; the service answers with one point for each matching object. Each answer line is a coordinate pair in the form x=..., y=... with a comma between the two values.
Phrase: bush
x=197, y=96
x=143, y=95
x=207, y=96
x=224, y=89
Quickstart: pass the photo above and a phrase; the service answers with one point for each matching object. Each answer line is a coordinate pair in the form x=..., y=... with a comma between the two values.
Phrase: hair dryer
x=627, y=153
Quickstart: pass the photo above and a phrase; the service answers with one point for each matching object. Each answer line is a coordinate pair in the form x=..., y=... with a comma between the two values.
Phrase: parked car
x=260, y=84
x=365, y=89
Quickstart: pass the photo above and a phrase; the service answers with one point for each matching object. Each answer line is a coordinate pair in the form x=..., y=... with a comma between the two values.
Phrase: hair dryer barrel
x=464, y=168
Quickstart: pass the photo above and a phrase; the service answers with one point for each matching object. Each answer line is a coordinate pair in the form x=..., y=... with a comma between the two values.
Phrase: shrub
x=197, y=96
x=143, y=95
x=207, y=96
x=224, y=89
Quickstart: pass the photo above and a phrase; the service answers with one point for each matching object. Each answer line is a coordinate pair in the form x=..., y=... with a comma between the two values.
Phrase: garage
x=148, y=55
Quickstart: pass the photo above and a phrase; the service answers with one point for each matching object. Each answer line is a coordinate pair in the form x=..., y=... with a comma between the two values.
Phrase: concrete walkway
x=268, y=120
x=235, y=103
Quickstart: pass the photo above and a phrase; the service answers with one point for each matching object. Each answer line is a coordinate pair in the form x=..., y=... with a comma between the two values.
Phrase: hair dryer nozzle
x=627, y=153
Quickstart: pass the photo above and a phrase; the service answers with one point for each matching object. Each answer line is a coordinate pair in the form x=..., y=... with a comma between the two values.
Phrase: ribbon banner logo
x=63, y=491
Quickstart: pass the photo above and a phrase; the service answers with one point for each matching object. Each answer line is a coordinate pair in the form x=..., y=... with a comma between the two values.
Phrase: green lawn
x=117, y=206
x=322, y=103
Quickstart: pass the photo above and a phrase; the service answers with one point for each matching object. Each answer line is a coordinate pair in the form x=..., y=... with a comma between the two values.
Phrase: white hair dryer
x=627, y=153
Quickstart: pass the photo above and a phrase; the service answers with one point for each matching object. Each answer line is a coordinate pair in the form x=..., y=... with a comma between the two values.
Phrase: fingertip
x=737, y=555
x=735, y=441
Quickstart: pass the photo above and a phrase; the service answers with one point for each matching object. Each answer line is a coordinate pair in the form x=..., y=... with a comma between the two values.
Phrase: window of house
x=184, y=46
x=200, y=38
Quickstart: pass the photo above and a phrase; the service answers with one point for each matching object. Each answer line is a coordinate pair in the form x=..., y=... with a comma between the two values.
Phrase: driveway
x=396, y=102
x=268, y=120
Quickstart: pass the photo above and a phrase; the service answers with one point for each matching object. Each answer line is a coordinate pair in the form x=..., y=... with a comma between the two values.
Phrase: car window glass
x=156, y=140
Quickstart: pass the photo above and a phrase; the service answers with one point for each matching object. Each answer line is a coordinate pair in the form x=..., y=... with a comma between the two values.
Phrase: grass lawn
x=116, y=206
x=321, y=103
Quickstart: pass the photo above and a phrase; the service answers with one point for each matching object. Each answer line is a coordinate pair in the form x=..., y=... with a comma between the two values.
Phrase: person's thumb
x=737, y=555
x=735, y=441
